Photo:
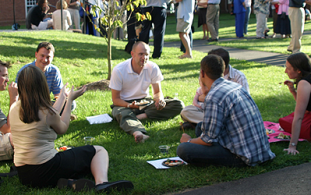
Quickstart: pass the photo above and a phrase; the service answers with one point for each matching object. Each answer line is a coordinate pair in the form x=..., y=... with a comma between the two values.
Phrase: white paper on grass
x=98, y=119
x=158, y=163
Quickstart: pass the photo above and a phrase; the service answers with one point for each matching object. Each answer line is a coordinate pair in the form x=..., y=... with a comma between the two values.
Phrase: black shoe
x=76, y=185
x=13, y=172
x=187, y=125
x=290, y=50
x=117, y=185
x=211, y=40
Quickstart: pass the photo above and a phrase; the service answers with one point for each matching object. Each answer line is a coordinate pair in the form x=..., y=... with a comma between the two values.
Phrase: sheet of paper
x=158, y=163
x=98, y=119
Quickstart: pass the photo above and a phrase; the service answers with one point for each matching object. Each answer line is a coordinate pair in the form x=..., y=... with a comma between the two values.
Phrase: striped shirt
x=53, y=77
x=232, y=119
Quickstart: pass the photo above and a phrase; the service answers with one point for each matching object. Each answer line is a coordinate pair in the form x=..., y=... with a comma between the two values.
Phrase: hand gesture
x=291, y=150
x=75, y=94
x=184, y=138
x=13, y=91
x=160, y=104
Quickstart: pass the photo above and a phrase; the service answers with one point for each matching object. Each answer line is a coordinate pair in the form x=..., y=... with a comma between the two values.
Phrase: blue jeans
x=207, y=155
x=247, y=15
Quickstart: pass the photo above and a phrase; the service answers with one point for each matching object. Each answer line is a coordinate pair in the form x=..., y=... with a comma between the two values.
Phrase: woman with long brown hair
x=298, y=67
x=35, y=125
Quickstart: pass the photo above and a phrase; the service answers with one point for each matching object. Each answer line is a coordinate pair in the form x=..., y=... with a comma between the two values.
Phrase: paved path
x=240, y=54
x=287, y=181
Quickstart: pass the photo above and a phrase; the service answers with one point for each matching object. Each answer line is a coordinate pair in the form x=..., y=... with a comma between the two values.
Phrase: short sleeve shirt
x=132, y=85
x=53, y=77
x=3, y=119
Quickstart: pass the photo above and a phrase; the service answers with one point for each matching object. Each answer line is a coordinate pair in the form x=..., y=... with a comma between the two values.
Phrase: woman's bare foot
x=142, y=116
x=140, y=137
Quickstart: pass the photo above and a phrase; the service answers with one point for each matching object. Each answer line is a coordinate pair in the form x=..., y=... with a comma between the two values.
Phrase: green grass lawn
x=82, y=59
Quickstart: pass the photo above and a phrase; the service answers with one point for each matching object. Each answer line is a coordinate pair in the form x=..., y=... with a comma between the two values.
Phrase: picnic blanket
x=273, y=130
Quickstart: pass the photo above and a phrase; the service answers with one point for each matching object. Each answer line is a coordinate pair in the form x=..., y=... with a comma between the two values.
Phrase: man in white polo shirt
x=130, y=81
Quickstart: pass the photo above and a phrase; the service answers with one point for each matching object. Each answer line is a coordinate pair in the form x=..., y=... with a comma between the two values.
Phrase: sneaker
x=117, y=185
x=77, y=185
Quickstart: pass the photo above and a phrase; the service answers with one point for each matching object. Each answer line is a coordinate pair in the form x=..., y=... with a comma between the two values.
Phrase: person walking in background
x=248, y=10
x=202, y=5
x=212, y=19
x=283, y=23
x=261, y=9
x=296, y=14
x=184, y=22
x=57, y=19
x=157, y=10
x=73, y=8
x=239, y=10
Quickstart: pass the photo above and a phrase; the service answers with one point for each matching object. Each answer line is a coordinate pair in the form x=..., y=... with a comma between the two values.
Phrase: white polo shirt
x=132, y=85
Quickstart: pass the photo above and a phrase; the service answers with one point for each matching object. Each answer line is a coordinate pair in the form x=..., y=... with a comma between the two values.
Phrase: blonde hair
x=58, y=5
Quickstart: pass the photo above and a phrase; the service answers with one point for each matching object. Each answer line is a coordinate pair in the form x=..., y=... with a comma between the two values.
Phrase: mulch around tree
x=102, y=85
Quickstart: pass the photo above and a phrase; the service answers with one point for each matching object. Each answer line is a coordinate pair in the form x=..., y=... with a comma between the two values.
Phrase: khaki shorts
x=6, y=149
x=183, y=26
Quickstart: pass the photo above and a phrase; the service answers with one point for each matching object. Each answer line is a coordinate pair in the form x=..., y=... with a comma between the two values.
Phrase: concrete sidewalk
x=240, y=54
x=287, y=181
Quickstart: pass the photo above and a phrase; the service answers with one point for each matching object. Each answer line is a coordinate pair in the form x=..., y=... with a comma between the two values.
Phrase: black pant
x=158, y=15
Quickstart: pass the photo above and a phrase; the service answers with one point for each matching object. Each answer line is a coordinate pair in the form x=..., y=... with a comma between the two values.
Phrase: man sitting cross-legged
x=193, y=114
x=130, y=81
x=232, y=132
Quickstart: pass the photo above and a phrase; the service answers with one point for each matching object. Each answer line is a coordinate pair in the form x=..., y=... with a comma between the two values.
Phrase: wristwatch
x=293, y=144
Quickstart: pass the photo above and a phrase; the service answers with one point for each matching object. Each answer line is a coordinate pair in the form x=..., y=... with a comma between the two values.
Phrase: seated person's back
x=57, y=18
x=28, y=18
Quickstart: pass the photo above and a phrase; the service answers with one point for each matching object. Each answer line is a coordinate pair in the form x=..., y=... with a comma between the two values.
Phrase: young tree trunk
x=109, y=54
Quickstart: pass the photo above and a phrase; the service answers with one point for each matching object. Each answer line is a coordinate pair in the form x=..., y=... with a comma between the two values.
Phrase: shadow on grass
x=63, y=49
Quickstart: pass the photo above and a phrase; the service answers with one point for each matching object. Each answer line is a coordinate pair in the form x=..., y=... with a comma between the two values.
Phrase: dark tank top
x=308, y=78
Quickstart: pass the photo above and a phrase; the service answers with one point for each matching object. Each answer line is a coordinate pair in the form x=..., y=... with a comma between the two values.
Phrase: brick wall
x=6, y=11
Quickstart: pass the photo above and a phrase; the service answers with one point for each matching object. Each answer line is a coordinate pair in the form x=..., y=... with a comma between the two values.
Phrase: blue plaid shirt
x=232, y=119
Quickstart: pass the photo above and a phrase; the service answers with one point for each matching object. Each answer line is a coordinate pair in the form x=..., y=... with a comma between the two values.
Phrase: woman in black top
x=298, y=67
x=38, y=13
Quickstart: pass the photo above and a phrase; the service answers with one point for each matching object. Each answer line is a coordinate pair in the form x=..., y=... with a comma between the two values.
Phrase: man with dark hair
x=44, y=57
x=232, y=132
x=193, y=114
x=6, y=144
